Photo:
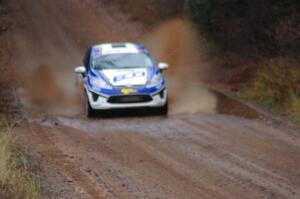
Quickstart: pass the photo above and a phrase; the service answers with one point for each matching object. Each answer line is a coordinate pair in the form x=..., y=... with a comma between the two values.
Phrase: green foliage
x=276, y=85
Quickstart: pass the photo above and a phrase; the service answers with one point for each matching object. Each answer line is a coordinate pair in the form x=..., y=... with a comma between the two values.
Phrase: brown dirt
x=6, y=71
x=150, y=12
x=203, y=155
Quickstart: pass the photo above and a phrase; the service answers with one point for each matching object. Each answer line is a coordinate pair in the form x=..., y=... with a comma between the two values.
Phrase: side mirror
x=80, y=70
x=163, y=66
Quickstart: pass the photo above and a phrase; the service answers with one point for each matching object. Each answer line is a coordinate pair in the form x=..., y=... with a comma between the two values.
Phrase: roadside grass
x=15, y=178
x=294, y=109
x=276, y=86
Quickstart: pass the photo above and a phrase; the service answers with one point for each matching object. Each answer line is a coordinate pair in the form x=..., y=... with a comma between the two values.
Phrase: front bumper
x=99, y=102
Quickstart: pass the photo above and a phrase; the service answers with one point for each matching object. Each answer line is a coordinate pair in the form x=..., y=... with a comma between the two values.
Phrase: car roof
x=117, y=48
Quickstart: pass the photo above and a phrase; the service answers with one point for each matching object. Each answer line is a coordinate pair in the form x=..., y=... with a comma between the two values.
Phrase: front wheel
x=90, y=112
x=163, y=110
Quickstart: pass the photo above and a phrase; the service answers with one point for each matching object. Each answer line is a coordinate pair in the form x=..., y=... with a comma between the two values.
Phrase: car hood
x=126, y=77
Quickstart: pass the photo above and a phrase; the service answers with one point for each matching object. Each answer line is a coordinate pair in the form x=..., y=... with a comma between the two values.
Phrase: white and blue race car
x=122, y=76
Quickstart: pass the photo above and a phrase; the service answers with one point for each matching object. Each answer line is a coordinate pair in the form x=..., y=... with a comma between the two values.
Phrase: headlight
x=100, y=83
x=156, y=80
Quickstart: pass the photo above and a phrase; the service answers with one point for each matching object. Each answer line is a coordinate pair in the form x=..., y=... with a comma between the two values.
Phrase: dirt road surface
x=202, y=155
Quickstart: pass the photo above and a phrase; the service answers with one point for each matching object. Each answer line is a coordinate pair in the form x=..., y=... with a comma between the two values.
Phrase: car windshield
x=122, y=61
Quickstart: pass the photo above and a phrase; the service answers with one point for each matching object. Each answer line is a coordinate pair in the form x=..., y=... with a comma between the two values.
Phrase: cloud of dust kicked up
x=177, y=43
x=47, y=77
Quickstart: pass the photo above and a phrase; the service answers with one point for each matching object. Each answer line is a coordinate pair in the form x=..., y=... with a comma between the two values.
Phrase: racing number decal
x=128, y=76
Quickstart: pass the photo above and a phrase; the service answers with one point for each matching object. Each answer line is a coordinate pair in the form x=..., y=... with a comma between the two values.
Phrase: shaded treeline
x=250, y=27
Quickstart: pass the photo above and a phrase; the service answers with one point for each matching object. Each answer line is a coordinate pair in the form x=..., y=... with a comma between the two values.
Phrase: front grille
x=130, y=99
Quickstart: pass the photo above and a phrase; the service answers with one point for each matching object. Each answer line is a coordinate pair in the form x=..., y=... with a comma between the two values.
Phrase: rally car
x=122, y=76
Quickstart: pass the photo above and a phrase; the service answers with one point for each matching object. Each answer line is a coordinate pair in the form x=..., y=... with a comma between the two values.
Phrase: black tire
x=90, y=112
x=163, y=110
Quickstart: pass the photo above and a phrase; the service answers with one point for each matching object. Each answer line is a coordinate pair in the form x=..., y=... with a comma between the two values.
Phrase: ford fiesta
x=122, y=76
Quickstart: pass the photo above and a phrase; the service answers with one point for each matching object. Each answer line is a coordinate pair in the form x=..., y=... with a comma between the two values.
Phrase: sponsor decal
x=127, y=91
x=128, y=76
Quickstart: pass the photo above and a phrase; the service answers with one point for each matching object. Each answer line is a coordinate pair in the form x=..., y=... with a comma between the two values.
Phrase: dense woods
x=264, y=28
x=267, y=27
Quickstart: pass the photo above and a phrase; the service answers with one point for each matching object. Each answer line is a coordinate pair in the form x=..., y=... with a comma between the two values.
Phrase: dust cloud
x=45, y=72
x=45, y=56
x=177, y=43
